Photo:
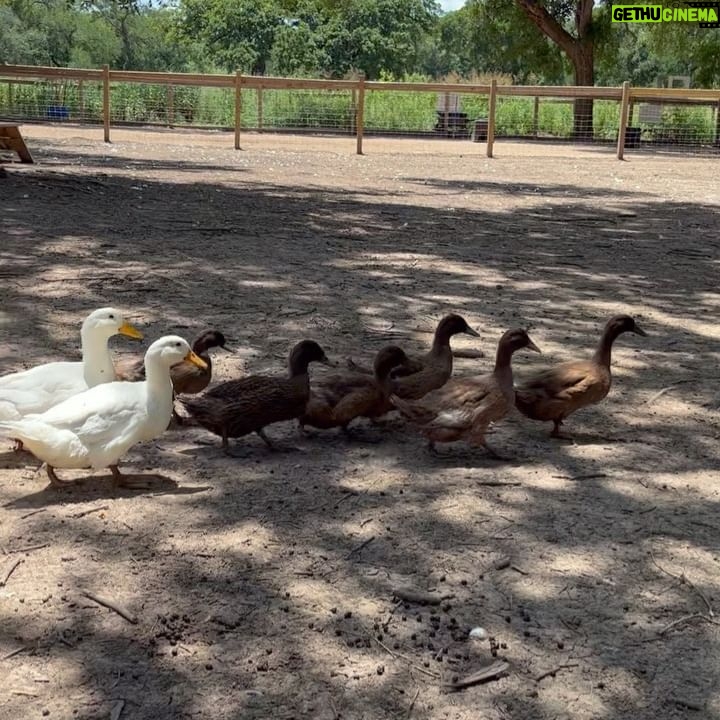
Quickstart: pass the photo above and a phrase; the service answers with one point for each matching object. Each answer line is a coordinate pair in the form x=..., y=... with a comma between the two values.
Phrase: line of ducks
x=90, y=413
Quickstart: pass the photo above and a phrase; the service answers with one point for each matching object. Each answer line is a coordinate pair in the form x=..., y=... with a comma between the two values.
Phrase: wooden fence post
x=81, y=100
x=446, y=114
x=238, y=107
x=170, y=106
x=492, y=103
x=106, y=102
x=360, y=114
x=624, y=106
x=260, y=108
x=536, y=115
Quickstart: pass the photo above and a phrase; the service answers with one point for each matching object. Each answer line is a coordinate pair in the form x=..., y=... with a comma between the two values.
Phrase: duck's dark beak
x=532, y=346
x=226, y=348
x=469, y=331
x=329, y=363
x=639, y=331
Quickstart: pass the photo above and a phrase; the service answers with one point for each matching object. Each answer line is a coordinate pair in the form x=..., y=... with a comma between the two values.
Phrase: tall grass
x=385, y=111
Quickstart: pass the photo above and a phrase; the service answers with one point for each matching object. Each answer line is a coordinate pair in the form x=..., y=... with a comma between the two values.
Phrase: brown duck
x=559, y=391
x=424, y=373
x=338, y=399
x=240, y=407
x=186, y=377
x=464, y=407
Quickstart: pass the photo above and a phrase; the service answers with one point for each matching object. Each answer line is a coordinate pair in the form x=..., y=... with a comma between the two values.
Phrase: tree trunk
x=584, y=75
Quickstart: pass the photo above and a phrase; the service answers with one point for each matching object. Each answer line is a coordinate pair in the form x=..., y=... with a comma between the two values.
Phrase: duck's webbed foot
x=133, y=482
x=55, y=481
x=557, y=433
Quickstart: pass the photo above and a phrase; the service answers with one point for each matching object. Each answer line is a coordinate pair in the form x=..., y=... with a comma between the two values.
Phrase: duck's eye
x=177, y=344
x=112, y=317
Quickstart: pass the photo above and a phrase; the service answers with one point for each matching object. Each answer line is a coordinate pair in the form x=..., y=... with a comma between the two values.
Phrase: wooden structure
x=11, y=139
x=358, y=90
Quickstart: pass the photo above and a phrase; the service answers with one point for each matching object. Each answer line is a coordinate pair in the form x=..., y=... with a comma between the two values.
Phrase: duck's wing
x=561, y=382
x=462, y=401
x=99, y=414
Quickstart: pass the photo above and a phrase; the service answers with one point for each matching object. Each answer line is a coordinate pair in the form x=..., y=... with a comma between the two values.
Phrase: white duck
x=39, y=388
x=97, y=427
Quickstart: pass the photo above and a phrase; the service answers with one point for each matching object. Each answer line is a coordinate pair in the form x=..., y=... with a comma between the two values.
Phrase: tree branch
x=537, y=14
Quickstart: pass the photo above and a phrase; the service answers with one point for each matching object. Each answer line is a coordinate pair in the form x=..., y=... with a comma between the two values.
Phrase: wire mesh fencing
x=66, y=100
x=687, y=126
x=673, y=119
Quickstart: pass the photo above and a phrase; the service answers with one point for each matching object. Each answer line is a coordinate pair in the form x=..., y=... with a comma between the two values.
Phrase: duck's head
x=303, y=354
x=517, y=339
x=621, y=324
x=171, y=350
x=107, y=322
x=453, y=325
x=209, y=339
x=387, y=359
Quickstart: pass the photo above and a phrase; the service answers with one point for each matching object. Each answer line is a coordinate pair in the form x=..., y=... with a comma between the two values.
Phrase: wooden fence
x=626, y=95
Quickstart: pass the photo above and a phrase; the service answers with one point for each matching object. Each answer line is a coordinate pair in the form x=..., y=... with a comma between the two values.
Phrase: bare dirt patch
x=263, y=586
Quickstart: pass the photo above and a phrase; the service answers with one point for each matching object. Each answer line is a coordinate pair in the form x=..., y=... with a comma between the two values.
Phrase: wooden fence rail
x=626, y=95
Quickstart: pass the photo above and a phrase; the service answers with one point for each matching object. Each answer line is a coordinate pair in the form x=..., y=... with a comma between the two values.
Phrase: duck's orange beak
x=130, y=331
x=191, y=357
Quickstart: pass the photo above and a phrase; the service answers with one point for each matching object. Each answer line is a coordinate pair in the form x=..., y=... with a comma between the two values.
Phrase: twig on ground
x=660, y=393
x=3, y=582
x=117, y=710
x=111, y=606
x=420, y=597
x=360, y=547
x=518, y=570
x=498, y=483
x=344, y=498
x=688, y=618
x=684, y=580
x=496, y=669
x=13, y=653
x=591, y=476
x=412, y=702
x=34, y=512
x=93, y=510
x=564, y=666
x=27, y=549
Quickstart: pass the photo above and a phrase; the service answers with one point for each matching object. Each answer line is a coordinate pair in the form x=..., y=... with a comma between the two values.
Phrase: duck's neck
x=603, y=353
x=503, y=365
x=158, y=383
x=97, y=362
x=441, y=343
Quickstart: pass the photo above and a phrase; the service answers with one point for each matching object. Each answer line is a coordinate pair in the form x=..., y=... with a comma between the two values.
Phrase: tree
x=553, y=18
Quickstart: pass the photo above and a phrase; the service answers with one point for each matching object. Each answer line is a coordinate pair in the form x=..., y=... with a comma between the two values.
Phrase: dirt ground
x=263, y=586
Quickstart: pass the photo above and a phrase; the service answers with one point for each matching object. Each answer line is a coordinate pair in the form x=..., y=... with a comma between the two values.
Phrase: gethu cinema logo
x=658, y=13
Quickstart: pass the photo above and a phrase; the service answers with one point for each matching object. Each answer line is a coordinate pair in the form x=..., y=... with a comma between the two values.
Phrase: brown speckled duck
x=240, y=407
x=464, y=407
x=559, y=391
x=424, y=373
x=186, y=377
x=336, y=400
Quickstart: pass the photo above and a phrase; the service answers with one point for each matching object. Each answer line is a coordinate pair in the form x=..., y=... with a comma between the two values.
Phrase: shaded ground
x=262, y=586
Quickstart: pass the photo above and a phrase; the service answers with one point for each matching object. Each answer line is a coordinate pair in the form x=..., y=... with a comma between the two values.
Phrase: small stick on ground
x=552, y=672
x=591, y=476
x=360, y=547
x=28, y=549
x=498, y=483
x=420, y=597
x=688, y=618
x=412, y=702
x=660, y=393
x=34, y=512
x=117, y=710
x=111, y=606
x=3, y=582
x=13, y=653
x=88, y=512
x=684, y=580
x=492, y=671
